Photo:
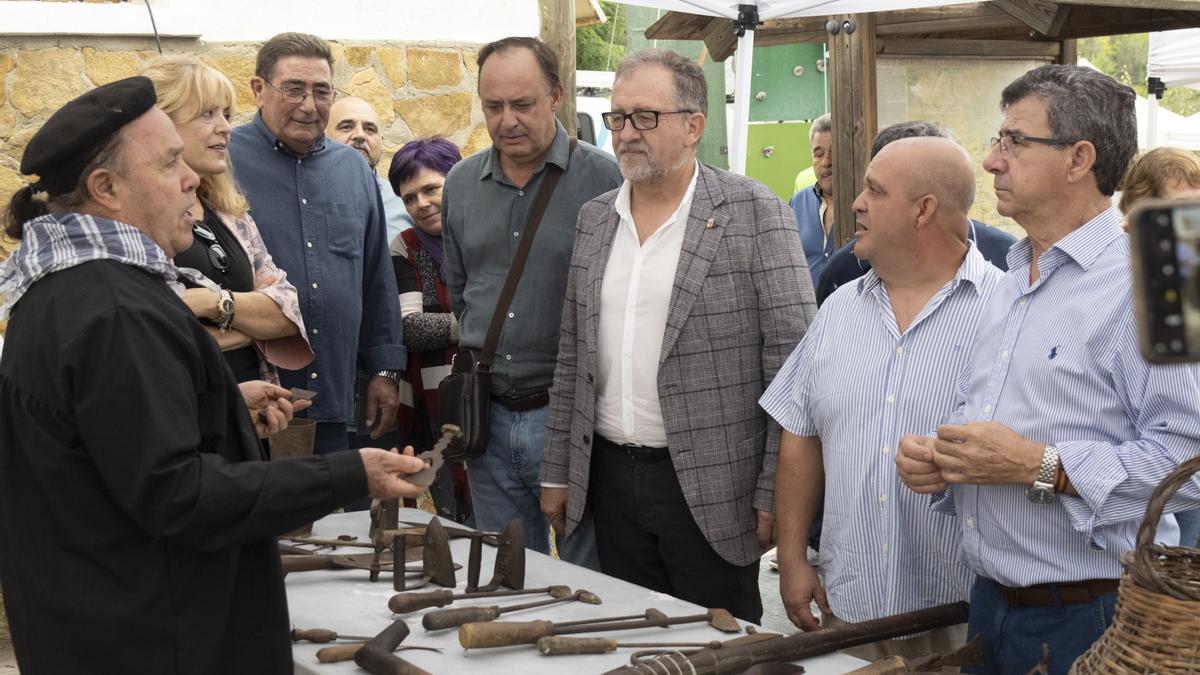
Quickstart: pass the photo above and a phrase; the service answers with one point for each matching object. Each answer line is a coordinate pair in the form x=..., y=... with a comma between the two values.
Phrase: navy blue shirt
x=818, y=244
x=322, y=219
x=843, y=266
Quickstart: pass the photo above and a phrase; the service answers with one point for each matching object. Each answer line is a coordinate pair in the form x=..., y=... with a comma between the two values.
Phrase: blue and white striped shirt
x=1058, y=362
x=859, y=384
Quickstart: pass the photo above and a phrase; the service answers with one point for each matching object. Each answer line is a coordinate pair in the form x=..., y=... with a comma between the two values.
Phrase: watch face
x=1040, y=494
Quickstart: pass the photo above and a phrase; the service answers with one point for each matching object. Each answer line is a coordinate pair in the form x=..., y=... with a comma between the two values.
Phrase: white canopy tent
x=746, y=16
x=1175, y=61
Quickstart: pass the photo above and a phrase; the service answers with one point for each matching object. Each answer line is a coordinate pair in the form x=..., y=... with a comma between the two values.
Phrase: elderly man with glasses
x=687, y=291
x=1061, y=430
x=320, y=214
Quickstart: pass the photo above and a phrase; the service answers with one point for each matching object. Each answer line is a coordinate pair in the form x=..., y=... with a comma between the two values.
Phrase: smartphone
x=1165, y=242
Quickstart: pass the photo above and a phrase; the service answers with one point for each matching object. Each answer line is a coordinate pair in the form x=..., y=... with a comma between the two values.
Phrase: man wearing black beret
x=136, y=515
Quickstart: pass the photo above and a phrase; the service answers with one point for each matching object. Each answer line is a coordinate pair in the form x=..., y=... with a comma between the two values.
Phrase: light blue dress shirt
x=1058, y=362
x=396, y=215
x=858, y=383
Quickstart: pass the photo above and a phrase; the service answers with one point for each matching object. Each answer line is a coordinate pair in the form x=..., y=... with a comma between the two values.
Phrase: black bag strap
x=553, y=173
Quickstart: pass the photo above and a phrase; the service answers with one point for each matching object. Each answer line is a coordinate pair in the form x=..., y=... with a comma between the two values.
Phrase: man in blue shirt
x=889, y=348
x=844, y=266
x=813, y=205
x=318, y=208
x=1062, y=430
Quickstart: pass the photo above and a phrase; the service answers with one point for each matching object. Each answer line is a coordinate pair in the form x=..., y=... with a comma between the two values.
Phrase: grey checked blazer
x=741, y=302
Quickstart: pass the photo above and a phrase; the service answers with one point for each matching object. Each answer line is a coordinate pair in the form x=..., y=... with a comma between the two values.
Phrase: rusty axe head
x=436, y=561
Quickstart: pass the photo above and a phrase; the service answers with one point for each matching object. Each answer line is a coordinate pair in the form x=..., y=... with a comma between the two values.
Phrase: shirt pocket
x=344, y=229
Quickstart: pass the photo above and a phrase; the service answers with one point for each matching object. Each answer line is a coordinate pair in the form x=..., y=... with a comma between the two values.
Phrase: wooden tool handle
x=502, y=633
x=553, y=645
x=306, y=563
x=389, y=638
x=336, y=653
x=455, y=617
x=313, y=635
x=402, y=603
x=378, y=661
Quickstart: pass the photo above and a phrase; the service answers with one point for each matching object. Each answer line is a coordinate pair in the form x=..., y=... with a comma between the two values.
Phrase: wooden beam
x=1069, y=54
x=852, y=100
x=558, y=31
x=677, y=26
x=1037, y=14
x=1020, y=49
x=720, y=38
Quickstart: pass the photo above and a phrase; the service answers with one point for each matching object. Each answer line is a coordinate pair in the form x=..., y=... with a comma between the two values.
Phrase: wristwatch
x=393, y=375
x=225, y=309
x=1042, y=490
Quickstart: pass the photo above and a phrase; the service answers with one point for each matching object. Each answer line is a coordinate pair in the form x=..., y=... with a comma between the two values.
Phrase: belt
x=1050, y=595
x=641, y=453
x=521, y=401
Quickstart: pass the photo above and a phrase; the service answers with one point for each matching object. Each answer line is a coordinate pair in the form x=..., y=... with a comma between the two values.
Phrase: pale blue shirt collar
x=971, y=271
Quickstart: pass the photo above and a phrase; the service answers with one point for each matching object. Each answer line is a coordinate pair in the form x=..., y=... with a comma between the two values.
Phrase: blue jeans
x=504, y=485
x=1189, y=527
x=1013, y=636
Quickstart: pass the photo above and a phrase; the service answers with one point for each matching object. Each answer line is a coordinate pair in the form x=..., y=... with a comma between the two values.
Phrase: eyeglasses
x=297, y=94
x=216, y=254
x=1013, y=143
x=643, y=120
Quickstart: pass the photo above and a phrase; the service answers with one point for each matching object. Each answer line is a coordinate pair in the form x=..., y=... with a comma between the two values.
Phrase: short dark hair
x=290, y=44
x=910, y=129
x=26, y=205
x=437, y=154
x=1083, y=104
x=547, y=58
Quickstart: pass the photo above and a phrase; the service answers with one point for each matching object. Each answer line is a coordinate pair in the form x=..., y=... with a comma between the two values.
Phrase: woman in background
x=1166, y=173
x=247, y=303
x=417, y=173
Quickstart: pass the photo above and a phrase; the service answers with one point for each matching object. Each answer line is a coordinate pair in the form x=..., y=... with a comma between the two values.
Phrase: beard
x=639, y=166
x=366, y=153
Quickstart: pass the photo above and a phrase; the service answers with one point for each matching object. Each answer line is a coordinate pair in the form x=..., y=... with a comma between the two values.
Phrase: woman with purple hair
x=417, y=174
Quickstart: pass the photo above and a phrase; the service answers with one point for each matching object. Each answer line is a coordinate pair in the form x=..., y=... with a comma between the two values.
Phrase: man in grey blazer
x=687, y=290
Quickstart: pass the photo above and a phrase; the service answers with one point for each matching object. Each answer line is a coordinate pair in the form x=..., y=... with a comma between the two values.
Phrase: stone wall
x=417, y=89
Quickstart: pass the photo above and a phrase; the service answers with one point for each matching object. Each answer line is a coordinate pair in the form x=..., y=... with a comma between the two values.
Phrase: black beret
x=73, y=135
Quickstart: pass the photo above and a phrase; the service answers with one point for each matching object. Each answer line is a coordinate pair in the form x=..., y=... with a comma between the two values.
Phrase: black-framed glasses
x=643, y=120
x=1015, y=142
x=296, y=94
x=216, y=252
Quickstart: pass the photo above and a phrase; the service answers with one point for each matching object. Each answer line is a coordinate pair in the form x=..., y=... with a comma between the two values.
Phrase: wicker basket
x=1156, y=628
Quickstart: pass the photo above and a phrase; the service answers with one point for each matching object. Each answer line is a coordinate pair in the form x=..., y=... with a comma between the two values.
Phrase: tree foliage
x=1124, y=58
x=602, y=46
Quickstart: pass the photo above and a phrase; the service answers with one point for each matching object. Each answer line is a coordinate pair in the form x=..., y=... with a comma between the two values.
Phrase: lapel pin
x=711, y=223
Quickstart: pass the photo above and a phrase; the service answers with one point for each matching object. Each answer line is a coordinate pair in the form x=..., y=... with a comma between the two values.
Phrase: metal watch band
x=1049, y=469
x=393, y=375
x=225, y=310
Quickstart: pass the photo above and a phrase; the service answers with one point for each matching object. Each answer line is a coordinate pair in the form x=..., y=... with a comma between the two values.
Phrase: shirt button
x=308, y=243
x=900, y=351
x=883, y=498
x=520, y=193
x=970, y=522
x=516, y=234
x=1004, y=355
x=508, y=357
x=314, y=331
x=884, y=548
x=891, y=399
x=313, y=376
x=303, y=201
x=1021, y=302
x=886, y=449
x=987, y=408
x=511, y=315
x=314, y=284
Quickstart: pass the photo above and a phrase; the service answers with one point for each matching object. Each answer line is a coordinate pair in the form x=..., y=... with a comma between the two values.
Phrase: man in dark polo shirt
x=485, y=203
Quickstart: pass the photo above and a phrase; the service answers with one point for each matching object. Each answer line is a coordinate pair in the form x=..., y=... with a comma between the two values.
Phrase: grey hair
x=290, y=44
x=821, y=125
x=691, y=89
x=1084, y=105
x=910, y=129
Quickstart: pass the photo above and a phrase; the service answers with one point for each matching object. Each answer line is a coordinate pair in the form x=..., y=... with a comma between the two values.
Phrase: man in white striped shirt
x=881, y=358
x=1063, y=430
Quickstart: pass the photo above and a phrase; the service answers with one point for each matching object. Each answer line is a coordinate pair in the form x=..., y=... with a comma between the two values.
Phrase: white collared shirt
x=635, y=299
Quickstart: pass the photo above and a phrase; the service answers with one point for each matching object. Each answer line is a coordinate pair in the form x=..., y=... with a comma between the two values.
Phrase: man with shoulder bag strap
x=486, y=207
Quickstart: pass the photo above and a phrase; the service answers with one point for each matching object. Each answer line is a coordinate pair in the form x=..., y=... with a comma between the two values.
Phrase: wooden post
x=853, y=108
x=558, y=31
x=1069, y=53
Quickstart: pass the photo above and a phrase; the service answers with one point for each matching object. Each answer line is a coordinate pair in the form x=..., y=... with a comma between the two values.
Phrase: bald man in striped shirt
x=880, y=359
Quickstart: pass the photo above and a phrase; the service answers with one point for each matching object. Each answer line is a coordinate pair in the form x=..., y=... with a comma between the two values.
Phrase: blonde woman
x=250, y=307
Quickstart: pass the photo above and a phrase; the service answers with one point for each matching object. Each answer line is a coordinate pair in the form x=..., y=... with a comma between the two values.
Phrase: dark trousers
x=1013, y=636
x=646, y=535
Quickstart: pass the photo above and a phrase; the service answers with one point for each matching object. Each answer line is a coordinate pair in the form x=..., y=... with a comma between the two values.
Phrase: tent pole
x=744, y=25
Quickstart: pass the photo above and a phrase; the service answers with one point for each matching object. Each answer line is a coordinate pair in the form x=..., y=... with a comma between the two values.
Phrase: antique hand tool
x=969, y=655
x=509, y=569
x=346, y=651
x=731, y=660
x=376, y=657
x=434, y=457
x=402, y=603
x=436, y=560
x=321, y=635
x=457, y=616
x=554, y=645
x=507, y=633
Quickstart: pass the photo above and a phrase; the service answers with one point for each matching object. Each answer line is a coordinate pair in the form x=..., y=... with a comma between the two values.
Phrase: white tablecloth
x=347, y=602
